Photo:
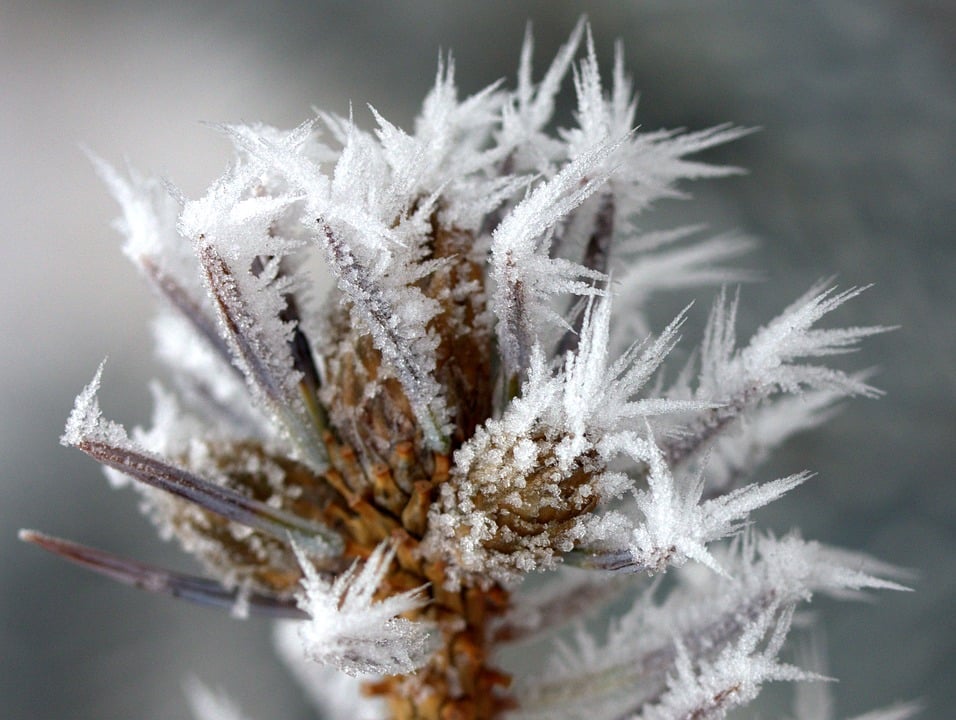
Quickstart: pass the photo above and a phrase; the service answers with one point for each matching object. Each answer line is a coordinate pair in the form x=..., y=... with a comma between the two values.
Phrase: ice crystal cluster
x=479, y=398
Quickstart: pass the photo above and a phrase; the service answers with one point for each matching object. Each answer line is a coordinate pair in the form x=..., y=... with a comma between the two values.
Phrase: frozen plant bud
x=383, y=467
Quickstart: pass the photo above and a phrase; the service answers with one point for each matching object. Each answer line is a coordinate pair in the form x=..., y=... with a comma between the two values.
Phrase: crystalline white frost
x=648, y=476
x=336, y=695
x=350, y=630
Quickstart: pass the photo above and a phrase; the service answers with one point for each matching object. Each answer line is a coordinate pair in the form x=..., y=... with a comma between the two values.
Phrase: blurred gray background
x=852, y=174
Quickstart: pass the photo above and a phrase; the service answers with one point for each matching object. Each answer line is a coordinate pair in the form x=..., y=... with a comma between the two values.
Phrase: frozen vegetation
x=480, y=397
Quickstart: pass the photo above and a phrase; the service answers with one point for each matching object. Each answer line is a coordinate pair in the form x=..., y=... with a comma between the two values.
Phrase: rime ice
x=479, y=397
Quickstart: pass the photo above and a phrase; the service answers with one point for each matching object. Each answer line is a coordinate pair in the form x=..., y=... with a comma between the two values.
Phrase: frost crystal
x=354, y=632
x=480, y=396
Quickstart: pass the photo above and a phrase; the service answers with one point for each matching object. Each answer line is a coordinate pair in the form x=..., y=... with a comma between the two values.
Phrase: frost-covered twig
x=481, y=396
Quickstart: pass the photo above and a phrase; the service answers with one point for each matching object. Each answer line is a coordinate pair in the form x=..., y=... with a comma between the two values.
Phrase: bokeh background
x=852, y=174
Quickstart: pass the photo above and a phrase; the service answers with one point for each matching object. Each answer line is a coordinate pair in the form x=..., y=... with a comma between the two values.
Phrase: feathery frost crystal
x=479, y=398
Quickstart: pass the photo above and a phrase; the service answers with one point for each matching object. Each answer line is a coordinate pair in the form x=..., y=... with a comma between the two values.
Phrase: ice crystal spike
x=199, y=590
x=481, y=396
x=355, y=633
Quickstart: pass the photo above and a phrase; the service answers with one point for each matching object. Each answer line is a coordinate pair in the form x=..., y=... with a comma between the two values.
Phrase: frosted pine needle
x=480, y=397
